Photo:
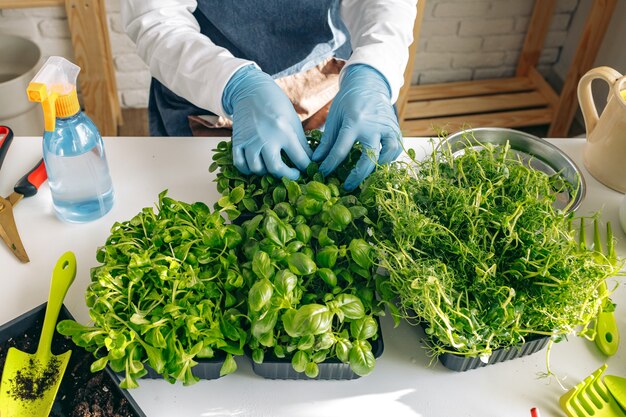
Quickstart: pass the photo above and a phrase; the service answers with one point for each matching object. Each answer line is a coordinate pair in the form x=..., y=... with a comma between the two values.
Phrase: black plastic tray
x=331, y=369
x=26, y=321
x=205, y=369
x=462, y=363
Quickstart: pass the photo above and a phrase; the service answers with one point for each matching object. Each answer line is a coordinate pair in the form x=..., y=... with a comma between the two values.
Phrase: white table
x=402, y=385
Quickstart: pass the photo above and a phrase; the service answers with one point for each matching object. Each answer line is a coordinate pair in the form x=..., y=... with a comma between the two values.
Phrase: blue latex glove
x=361, y=111
x=264, y=124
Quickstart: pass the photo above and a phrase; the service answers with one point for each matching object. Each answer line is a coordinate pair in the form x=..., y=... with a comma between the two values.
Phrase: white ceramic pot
x=19, y=60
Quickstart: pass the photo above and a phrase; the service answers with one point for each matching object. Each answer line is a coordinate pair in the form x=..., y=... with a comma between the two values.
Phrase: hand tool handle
x=6, y=137
x=29, y=183
x=62, y=277
x=607, y=332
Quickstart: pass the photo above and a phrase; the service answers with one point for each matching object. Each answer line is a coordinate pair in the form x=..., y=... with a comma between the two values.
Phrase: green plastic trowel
x=30, y=381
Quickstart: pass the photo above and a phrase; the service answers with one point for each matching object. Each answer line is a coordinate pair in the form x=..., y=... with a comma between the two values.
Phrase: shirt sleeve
x=381, y=32
x=168, y=39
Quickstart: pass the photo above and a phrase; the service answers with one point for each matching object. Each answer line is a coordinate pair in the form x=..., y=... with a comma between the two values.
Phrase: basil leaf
x=327, y=256
x=342, y=350
x=259, y=295
x=363, y=328
x=285, y=282
x=311, y=370
x=301, y=264
x=351, y=306
x=328, y=276
x=309, y=319
x=360, y=252
x=362, y=359
x=299, y=361
x=262, y=266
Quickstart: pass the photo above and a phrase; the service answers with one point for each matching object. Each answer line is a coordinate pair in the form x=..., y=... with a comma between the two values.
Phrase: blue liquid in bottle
x=78, y=173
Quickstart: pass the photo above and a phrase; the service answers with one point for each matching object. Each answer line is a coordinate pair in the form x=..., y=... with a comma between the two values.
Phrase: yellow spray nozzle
x=38, y=92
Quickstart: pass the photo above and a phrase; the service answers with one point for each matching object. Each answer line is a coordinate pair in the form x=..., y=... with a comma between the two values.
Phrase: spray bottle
x=73, y=150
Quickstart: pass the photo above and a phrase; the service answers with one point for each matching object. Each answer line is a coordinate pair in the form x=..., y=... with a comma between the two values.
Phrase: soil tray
x=82, y=393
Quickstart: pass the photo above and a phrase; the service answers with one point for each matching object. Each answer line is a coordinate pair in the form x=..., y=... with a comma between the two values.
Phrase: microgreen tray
x=205, y=368
x=462, y=363
x=331, y=369
x=80, y=390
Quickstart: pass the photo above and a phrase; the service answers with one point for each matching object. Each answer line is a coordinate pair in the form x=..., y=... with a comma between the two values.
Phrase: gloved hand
x=264, y=123
x=361, y=111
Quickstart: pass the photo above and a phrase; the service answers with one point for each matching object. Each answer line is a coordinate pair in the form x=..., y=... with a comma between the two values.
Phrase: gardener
x=272, y=67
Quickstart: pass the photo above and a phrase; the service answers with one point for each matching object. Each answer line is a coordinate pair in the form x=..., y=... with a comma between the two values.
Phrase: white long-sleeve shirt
x=168, y=39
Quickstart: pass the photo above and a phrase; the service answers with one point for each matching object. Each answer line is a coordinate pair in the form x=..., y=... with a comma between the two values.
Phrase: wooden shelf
x=524, y=100
x=449, y=107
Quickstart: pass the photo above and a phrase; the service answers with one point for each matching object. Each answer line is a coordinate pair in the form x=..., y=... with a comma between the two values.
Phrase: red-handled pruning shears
x=27, y=186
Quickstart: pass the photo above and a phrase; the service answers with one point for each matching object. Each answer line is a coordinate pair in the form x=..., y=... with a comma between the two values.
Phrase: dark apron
x=283, y=37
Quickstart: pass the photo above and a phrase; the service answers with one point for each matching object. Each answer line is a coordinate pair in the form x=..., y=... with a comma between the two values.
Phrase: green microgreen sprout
x=475, y=251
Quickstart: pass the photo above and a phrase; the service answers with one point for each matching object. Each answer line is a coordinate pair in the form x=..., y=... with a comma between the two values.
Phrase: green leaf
x=284, y=211
x=138, y=319
x=323, y=239
x=308, y=206
x=250, y=204
x=155, y=359
x=294, y=246
x=357, y=211
x=303, y=233
x=328, y=276
x=311, y=169
x=362, y=359
x=264, y=324
x=259, y=295
x=258, y=355
x=306, y=342
x=236, y=194
x=318, y=191
x=279, y=194
x=293, y=190
x=342, y=350
x=301, y=264
x=285, y=282
x=311, y=370
x=224, y=201
x=324, y=341
x=262, y=266
x=229, y=366
x=340, y=217
x=364, y=328
x=271, y=226
x=299, y=361
x=309, y=319
x=351, y=306
x=360, y=252
x=99, y=364
x=327, y=256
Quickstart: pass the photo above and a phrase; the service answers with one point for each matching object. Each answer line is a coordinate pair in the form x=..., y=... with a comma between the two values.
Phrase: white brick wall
x=459, y=40
x=488, y=39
